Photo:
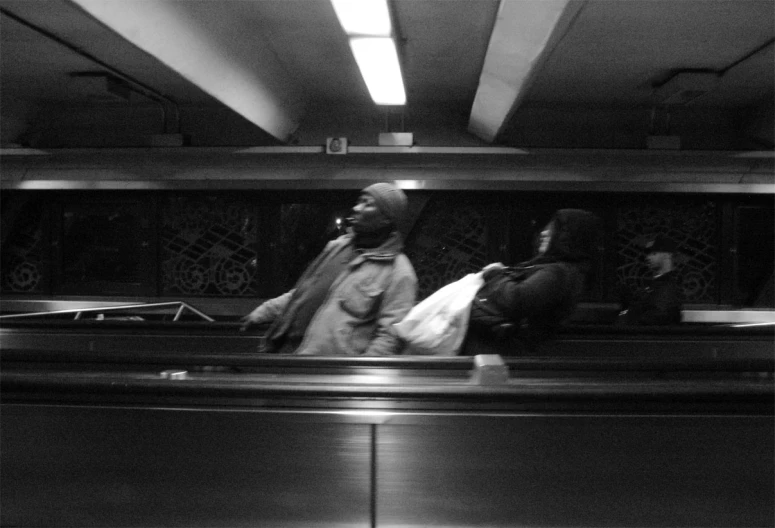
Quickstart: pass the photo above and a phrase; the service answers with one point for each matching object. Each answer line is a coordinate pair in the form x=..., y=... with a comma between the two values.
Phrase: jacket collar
x=388, y=250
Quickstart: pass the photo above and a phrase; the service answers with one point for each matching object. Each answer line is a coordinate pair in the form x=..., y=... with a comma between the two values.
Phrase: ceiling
x=518, y=73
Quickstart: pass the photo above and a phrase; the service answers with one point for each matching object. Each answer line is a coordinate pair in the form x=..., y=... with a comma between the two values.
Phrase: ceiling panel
x=443, y=46
x=616, y=50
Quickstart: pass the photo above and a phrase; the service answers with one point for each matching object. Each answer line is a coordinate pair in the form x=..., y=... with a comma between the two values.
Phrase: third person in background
x=660, y=302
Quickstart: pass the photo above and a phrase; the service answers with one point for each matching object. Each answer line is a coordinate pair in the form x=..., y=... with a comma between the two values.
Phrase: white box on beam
x=396, y=139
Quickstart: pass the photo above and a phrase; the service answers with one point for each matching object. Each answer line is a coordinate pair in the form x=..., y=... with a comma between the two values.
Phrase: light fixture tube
x=378, y=61
x=363, y=18
x=367, y=23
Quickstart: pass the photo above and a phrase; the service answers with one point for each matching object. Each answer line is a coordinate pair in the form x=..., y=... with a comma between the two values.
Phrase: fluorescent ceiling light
x=367, y=23
x=363, y=17
x=378, y=61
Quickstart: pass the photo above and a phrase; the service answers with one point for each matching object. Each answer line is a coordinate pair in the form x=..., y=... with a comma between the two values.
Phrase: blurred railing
x=78, y=312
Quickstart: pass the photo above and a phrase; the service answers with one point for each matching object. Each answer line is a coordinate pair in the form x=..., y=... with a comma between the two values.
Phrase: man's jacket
x=661, y=304
x=376, y=290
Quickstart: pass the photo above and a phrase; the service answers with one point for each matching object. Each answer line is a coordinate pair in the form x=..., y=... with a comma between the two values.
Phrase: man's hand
x=250, y=319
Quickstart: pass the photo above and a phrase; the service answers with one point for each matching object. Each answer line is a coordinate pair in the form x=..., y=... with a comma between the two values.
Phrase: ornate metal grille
x=23, y=254
x=691, y=225
x=304, y=231
x=208, y=246
x=448, y=241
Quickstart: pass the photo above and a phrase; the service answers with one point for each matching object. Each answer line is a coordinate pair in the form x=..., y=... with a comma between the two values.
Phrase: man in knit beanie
x=347, y=300
x=390, y=200
x=380, y=210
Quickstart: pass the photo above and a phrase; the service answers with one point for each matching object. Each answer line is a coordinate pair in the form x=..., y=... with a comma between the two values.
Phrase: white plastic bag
x=437, y=325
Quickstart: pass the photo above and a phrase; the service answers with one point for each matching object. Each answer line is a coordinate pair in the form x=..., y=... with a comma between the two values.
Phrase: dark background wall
x=254, y=244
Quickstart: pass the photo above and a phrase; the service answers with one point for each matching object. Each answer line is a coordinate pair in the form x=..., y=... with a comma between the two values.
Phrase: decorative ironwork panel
x=305, y=228
x=692, y=225
x=448, y=241
x=209, y=246
x=24, y=250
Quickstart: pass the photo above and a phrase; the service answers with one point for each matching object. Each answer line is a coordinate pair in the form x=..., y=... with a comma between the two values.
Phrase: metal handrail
x=182, y=306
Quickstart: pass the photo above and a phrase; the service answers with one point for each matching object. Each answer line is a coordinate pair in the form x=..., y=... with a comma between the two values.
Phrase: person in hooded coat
x=518, y=308
x=348, y=299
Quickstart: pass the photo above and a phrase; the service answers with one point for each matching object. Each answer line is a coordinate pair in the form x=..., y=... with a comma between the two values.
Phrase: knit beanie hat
x=389, y=199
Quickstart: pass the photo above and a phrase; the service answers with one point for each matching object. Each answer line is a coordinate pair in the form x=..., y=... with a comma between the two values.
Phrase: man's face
x=366, y=215
x=656, y=259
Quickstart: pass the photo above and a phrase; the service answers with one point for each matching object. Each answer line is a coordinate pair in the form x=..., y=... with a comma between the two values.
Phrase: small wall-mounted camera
x=336, y=145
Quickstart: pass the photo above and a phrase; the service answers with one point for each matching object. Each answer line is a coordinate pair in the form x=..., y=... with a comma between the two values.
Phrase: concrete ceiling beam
x=523, y=36
x=241, y=71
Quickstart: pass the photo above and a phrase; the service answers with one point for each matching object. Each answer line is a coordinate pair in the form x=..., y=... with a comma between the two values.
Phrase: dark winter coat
x=519, y=308
x=660, y=304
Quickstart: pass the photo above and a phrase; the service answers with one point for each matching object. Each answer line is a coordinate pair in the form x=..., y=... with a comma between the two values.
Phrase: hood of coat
x=576, y=236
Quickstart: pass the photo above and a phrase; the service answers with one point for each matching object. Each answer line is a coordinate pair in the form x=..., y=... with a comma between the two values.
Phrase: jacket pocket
x=361, y=299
